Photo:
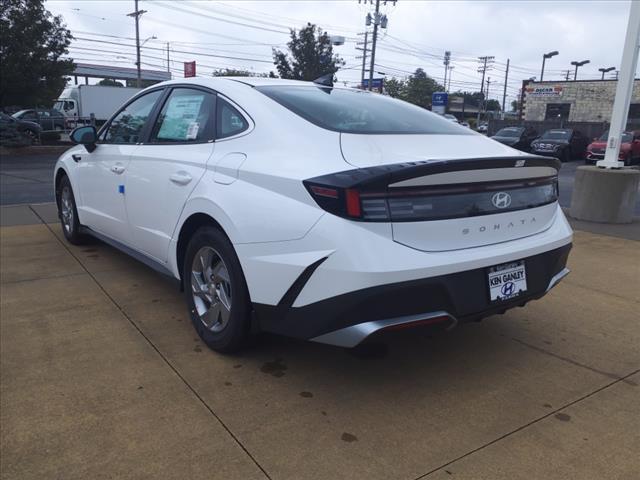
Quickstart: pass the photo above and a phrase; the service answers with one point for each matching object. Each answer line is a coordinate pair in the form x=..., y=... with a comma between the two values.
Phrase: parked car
x=483, y=128
x=451, y=118
x=565, y=144
x=629, y=148
x=30, y=130
x=516, y=137
x=321, y=213
x=49, y=120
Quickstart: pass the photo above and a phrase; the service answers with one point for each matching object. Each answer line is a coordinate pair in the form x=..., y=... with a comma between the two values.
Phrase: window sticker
x=179, y=119
x=192, y=130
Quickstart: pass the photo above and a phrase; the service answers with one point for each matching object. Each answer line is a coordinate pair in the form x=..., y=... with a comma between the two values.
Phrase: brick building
x=574, y=101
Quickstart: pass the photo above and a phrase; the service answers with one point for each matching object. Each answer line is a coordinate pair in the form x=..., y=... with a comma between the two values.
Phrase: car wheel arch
x=60, y=173
x=187, y=230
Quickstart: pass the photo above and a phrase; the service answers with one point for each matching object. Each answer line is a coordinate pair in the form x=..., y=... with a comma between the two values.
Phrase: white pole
x=624, y=89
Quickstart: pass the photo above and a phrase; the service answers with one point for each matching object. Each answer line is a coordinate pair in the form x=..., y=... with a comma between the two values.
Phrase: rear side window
x=127, y=125
x=229, y=121
x=355, y=111
x=186, y=116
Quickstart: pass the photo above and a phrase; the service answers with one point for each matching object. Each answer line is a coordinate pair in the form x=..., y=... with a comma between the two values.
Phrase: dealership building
x=574, y=101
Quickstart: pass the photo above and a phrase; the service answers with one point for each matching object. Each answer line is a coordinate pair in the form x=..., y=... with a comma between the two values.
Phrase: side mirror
x=87, y=136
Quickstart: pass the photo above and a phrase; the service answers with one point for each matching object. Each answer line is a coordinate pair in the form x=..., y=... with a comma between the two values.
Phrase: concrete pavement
x=102, y=376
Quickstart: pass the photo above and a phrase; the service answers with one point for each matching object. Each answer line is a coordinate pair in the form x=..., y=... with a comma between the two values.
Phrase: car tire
x=32, y=136
x=216, y=291
x=627, y=160
x=68, y=213
x=565, y=156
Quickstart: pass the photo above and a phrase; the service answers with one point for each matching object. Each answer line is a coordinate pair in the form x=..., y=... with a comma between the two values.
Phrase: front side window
x=229, y=121
x=186, y=116
x=127, y=125
x=356, y=111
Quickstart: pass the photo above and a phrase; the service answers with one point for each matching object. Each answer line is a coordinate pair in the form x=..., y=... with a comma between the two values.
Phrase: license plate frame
x=507, y=281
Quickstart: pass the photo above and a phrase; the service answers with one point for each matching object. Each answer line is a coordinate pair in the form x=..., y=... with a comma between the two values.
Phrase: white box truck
x=79, y=102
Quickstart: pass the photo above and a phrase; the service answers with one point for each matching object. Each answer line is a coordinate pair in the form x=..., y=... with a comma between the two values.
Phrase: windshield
x=19, y=114
x=355, y=111
x=626, y=137
x=556, y=135
x=509, y=132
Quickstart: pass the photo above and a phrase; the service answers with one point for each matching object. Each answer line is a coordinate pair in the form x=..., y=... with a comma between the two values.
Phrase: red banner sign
x=189, y=69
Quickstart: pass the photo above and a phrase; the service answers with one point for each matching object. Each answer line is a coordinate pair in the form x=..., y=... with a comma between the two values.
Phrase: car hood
x=373, y=150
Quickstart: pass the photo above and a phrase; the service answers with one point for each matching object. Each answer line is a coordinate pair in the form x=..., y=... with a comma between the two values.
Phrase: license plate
x=507, y=281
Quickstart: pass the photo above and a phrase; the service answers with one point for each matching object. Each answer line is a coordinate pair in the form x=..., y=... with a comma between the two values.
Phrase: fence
x=589, y=129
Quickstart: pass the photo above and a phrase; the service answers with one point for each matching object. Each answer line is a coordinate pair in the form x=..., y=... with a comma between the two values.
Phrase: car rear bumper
x=346, y=320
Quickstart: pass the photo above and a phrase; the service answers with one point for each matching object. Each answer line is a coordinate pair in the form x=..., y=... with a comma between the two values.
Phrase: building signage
x=189, y=69
x=377, y=83
x=555, y=91
x=439, y=102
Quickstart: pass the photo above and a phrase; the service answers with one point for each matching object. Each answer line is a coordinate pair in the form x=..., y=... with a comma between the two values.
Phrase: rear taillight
x=381, y=194
x=411, y=204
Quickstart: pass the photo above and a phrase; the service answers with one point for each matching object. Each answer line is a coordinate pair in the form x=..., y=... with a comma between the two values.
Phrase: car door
x=101, y=173
x=165, y=169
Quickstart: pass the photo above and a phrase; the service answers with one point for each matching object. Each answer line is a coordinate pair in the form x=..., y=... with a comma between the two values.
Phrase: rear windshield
x=510, y=132
x=556, y=135
x=354, y=111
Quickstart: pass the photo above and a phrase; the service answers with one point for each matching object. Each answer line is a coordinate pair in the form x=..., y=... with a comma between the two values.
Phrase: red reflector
x=324, y=191
x=353, y=203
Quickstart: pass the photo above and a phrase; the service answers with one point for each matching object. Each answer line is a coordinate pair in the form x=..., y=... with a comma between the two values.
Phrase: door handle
x=181, y=178
x=76, y=158
x=117, y=169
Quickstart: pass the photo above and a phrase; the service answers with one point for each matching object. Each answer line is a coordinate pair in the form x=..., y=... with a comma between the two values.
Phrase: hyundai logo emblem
x=507, y=289
x=501, y=200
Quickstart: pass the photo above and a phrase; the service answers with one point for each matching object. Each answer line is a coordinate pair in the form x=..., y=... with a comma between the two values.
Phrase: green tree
x=310, y=55
x=232, y=72
x=394, y=87
x=110, y=82
x=493, y=105
x=32, y=42
x=420, y=88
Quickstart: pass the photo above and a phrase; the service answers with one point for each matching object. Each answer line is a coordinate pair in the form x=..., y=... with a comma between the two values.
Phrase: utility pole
x=364, y=56
x=447, y=59
x=504, y=91
x=450, y=75
x=486, y=65
x=168, y=61
x=376, y=22
x=566, y=74
x=137, y=15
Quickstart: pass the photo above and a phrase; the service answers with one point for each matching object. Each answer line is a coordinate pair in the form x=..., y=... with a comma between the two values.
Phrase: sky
x=241, y=34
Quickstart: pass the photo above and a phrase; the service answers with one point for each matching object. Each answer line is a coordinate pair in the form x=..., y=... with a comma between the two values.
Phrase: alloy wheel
x=66, y=209
x=211, y=289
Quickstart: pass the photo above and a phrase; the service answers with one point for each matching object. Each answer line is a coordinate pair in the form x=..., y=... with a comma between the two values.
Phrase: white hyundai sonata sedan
x=321, y=213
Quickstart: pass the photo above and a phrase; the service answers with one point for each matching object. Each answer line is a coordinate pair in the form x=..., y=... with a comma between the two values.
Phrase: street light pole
x=544, y=58
x=578, y=64
x=605, y=70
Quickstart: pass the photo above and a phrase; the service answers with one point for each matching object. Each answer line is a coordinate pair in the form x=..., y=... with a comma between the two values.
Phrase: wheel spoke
x=212, y=316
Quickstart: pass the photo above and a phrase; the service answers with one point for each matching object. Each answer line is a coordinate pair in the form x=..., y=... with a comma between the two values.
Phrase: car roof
x=219, y=82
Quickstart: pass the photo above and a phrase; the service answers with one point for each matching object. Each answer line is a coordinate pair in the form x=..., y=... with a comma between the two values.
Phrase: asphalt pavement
x=28, y=179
